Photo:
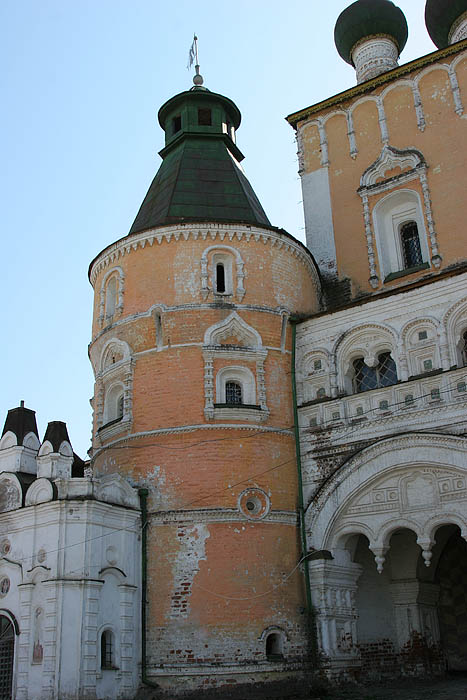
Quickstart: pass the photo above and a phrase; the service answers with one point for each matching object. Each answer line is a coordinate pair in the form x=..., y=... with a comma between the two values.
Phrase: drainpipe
x=143, y=498
x=312, y=642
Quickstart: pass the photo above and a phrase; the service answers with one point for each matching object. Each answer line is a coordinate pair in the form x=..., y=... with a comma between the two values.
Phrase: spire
x=200, y=178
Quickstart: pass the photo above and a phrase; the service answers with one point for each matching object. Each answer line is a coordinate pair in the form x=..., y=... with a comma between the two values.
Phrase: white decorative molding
x=351, y=134
x=214, y=231
x=370, y=493
x=391, y=158
x=40, y=491
x=383, y=125
x=120, y=283
x=458, y=31
x=11, y=492
x=113, y=488
x=249, y=348
x=373, y=56
x=455, y=90
x=373, y=181
x=207, y=287
x=220, y=515
x=323, y=142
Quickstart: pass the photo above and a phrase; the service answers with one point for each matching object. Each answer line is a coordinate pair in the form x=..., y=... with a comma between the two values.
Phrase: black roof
x=56, y=433
x=21, y=421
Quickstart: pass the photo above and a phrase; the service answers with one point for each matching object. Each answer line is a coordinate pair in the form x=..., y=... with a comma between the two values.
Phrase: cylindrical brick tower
x=191, y=349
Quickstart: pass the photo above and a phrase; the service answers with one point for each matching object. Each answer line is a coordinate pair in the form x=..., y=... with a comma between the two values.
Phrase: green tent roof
x=200, y=178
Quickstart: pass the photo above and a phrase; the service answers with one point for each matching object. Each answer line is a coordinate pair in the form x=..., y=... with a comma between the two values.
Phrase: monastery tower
x=191, y=344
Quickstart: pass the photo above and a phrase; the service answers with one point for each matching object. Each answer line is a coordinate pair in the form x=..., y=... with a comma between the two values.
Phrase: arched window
x=274, y=646
x=410, y=244
x=233, y=393
x=7, y=648
x=107, y=650
x=367, y=378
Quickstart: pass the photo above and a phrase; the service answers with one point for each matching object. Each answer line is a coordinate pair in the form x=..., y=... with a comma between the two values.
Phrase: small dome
x=439, y=18
x=366, y=18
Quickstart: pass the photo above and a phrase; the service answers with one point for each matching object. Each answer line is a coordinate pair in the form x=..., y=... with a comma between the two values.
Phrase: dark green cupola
x=370, y=35
x=446, y=21
x=200, y=178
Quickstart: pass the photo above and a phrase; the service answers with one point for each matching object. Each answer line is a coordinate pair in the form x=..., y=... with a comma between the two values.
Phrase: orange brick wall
x=214, y=575
x=442, y=143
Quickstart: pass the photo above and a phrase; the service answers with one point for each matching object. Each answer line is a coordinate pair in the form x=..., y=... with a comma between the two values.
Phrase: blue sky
x=82, y=81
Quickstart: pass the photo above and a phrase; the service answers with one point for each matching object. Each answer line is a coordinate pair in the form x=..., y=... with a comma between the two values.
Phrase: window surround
x=242, y=376
x=117, y=274
x=114, y=381
x=107, y=631
x=248, y=351
x=233, y=263
x=378, y=232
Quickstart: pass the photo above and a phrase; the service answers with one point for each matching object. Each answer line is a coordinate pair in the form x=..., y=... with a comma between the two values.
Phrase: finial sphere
x=198, y=80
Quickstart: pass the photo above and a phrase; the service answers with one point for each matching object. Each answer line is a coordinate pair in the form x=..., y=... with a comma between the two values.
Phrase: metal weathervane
x=193, y=58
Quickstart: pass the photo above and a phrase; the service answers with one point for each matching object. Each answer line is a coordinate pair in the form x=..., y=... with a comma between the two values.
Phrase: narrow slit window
x=233, y=393
x=220, y=278
x=176, y=124
x=410, y=242
x=204, y=117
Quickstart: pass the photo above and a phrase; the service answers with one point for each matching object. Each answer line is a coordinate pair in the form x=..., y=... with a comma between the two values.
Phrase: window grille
x=106, y=649
x=367, y=378
x=410, y=241
x=233, y=393
x=7, y=646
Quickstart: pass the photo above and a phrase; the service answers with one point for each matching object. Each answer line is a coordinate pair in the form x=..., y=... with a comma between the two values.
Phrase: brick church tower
x=191, y=345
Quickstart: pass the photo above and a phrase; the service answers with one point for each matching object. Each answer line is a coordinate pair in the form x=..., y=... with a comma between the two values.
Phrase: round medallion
x=5, y=547
x=254, y=503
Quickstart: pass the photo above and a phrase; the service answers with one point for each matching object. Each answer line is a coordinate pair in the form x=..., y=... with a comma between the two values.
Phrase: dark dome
x=367, y=18
x=440, y=15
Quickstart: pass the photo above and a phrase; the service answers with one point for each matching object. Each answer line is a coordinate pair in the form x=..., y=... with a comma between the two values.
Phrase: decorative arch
x=403, y=481
x=233, y=327
x=367, y=341
x=455, y=324
x=114, y=352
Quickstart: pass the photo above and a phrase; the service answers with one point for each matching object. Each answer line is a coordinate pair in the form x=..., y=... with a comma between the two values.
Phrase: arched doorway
x=7, y=647
x=451, y=576
x=389, y=567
